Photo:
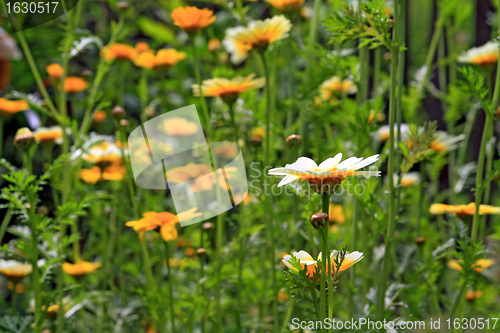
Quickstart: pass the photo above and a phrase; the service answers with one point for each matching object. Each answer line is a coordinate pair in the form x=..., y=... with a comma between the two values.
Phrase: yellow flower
x=99, y=116
x=192, y=19
x=478, y=266
x=328, y=175
x=164, y=59
x=55, y=71
x=81, y=268
x=286, y=5
x=112, y=172
x=257, y=36
x=486, y=55
x=119, y=51
x=228, y=90
x=53, y=309
x=8, y=108
x=74, y=84
x=214, y=45
x=179, y=126
x=165, y=221
x=52, y=134
x=14, y=270
x=104, y=153
x=91, y=176
x=336, y=214
x=335, y=87
x=471, y=295
x=463, y=210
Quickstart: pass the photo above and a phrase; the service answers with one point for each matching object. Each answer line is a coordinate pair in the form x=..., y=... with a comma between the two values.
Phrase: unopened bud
x=124, y=123
x=201, y=253
x=122, y=6
x=294, y=141
x=87, y=73
x=319, y=220
x=256, y=142
x=208, y=226
x=24, y=138
x=420, y=241
x=118, y=112
x=42, y=210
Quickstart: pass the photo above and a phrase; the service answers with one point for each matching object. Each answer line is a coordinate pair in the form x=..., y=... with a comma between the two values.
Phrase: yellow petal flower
x=192, y=19
x=81, y=268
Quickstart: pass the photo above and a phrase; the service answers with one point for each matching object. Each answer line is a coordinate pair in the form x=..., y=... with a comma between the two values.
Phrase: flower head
x=192, y=19
x=257, y=36
x=179, y=127
x=55, y=71
x=463, y=210
x=214, y=45
x=383, y=132
x=228, y=90
x=326, y=176
x=74, y=84
x=119, y=52
x=142, y=47
x=14, y=270
x=335, y=87
x=408, y=179
x=52, y=134
x=104, y=153
x=478, y=266
x=164, y=59
x=80, y=268
x=485, y=55
x=8, y=107
x=286, y=5
x=99, y=116
x=443, y=142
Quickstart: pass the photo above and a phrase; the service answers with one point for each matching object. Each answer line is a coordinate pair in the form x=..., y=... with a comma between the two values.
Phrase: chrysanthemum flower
x=104, y=153
x=112, y=172
x=200, y=175
x=228, y=90
x=326, y=176
x=408, y=179
x=14, y=270
x=478, y=266
x=164, y=221
x=90, y=176
x=286, y=5
x=119, y=52
x=52, y=134
x=335, y=87
x=164, y=59
x=8, y=107
x=74, y=84
x=55, y=71
x=486, y=55
x=443, y=142
x=142, y=47
x=179, y=126
x=306, y=259
x=214, y=45
x=383, y=132
x=19, y=287
x=192, y=19
x=463, y=210
x=257, y=36
x=80, y=268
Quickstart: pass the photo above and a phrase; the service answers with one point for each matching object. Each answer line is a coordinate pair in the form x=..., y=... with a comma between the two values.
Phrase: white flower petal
x=287, y=180
x=330, y=163
x=305, y=164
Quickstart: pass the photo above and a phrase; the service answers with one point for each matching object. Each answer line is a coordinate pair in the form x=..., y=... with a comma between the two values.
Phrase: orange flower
x=192, y=19
x=49, y=134
x=142, y=47
x=213, y=45
x=103, y=154
x=336, y=214
x=228, y=90
x=112, y=172
x=164, y=59
x=286, y=5
x=91, y=176
x=471, y=295
x=165, y=221
x=99, y=116
x=463, y=210
x=81, y=268
x=119, y=51
x=8, y=108
x=179, y=126
x=55, y=71
x=74, y=84
x=20, y=288
x=478, y=266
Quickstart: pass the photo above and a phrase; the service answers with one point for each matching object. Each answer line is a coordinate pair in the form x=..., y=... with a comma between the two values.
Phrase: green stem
x=219, y=244
x=391, y=225
x=469, y=124
x=233, y=123
x=325, y=258
x=206, y=114
x=267, y=154
x=314, y=25
x=170, y=289
x=1, y=135
x=458, y=300
x=5, y=223
x=35, y=275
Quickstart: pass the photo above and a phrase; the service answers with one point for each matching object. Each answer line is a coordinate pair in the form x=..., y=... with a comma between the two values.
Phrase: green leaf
x=156, y=30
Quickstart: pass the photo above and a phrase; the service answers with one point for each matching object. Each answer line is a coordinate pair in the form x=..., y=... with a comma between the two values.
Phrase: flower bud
x=201, y=253
x=118, y=112
x=24, y=138
x=208, y=226
x=42, y=210
x=122, y=6
x=87, y=73
x=124, y=123
x=319, y=220
x=420, y=241
x=294, y=141
x=256, y=142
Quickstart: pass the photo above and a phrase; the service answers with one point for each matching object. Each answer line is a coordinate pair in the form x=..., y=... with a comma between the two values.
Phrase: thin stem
x=391, y=209
x=267, y=152
x=170, y=289
x=469, y=124
x=219, y=244
x=314, y=25
x=325, y=258
x=233, y=123
x=1, y=135
x=206, y=114
x=5, y=223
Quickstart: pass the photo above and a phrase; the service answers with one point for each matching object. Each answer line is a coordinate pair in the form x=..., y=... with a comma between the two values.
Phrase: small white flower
x=484, y=55
x=408, y=179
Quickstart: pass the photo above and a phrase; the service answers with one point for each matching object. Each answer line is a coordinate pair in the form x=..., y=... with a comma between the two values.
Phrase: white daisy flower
x=408, y=179
x=444, y=142
x=485, y=55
